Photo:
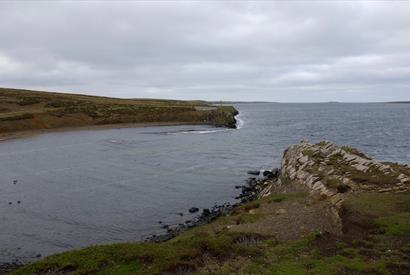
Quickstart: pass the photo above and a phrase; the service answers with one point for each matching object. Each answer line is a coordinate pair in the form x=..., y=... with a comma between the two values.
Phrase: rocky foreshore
x=328, y=210
x=253, y=189
x=323, y=169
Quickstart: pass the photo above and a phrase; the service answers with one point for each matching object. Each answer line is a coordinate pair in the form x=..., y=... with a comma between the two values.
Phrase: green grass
x=354, y=151
x=213, y=249
x=144, y=257
x=379, y=204
x=248, y=218
x=341, y=167
x=279, y=197
x=397, y=225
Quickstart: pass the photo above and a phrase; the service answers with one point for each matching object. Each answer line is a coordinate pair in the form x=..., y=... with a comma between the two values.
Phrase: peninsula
x=25, y=111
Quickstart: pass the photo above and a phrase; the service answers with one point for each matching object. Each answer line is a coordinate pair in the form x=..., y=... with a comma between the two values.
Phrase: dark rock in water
x=251, y=182
x=276, y=171
x=206, y=212
x=268, y=174
x=10, y=203
x=165, y=226
x=238, y=186
x=160, y=222
x=160, y=238
x=14, y=181
x=181, y=214
x=271, y=174
x=18, y=202
x=38, y=255
x=254, y=172
x=193, y=209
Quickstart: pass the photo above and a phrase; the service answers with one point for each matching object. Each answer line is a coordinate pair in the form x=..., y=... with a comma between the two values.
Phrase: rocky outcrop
x=334, y=172
x=256, y=188
x=329, y=172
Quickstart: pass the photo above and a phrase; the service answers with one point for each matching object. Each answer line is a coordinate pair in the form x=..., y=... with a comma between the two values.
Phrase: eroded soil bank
x=26, y=112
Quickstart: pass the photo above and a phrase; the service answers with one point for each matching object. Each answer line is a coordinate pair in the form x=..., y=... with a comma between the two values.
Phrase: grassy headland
x=292, y=229
x=25, y=110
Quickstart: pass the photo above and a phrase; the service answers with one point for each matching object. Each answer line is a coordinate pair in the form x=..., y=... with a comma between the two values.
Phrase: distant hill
x=237, y=102
x=26, y=110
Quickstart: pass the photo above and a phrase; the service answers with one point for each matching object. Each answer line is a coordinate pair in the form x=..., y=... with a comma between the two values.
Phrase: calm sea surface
x=91, y=187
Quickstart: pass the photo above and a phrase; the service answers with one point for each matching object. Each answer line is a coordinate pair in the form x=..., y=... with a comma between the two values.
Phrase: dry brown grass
x=24, y=110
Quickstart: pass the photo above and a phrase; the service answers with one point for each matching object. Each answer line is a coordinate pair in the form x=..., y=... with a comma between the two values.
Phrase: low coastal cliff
x=25, y=110
x=336, y=172
x=327, y=210
x=330, y=170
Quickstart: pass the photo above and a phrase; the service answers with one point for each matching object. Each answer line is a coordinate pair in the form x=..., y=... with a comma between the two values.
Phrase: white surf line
x=239, y=122
x=203, y=131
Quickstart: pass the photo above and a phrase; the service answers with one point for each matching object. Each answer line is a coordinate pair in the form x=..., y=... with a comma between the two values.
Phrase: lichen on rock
x=332, y=171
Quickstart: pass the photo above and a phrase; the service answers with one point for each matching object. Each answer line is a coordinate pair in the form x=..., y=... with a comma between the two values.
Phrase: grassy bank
x=24, y=110
x=284, y=233
x=291, y=230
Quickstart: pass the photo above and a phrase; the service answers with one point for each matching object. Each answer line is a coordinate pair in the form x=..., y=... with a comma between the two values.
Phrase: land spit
x=26, y=112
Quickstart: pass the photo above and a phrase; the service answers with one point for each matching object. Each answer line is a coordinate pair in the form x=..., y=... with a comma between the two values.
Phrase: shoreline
x=206, y=217
x=25, y=113
x=256, y=187
x=292, y=214
x=31, y=133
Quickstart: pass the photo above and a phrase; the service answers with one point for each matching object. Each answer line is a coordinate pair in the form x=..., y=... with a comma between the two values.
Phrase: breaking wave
x=239, y=122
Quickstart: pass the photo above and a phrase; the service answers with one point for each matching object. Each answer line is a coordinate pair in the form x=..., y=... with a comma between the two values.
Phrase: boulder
x=206, y=212
x=193, y=209
x=254, y=172
x=268, y=174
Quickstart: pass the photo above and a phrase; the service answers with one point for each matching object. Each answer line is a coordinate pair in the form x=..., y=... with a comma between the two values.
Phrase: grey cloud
x=275, y=51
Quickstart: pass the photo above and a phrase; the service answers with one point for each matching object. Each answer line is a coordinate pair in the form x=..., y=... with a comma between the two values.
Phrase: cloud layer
x=275, y=51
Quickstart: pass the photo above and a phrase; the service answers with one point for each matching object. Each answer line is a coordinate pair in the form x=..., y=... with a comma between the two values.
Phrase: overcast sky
x=214, y=50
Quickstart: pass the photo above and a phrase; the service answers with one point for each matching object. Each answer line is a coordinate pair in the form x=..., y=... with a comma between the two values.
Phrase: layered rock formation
x=334, y=172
